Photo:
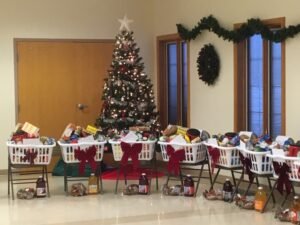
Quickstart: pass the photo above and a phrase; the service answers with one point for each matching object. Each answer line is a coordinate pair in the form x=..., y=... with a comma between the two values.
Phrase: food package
x=170, y=130
x=26, y=193
x=78, y=189
x=213, y=194
x=131, y=189
x=173, y=190
x=245, y=202
x=70, y=128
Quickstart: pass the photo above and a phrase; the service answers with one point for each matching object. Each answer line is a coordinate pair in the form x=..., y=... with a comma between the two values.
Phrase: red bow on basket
x=86, y=156
x=247, y=165
x=174, y=159
x=283, y=177
x=131, y=151
x=215, y=155
x=29, y=156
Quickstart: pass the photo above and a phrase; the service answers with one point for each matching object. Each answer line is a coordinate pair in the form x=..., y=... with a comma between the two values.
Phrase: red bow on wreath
x=247, y=166
x=86, y=156
x=283, y=177
x=215, y=155
x=131, y=151
x=29, y=156
x=174, y=159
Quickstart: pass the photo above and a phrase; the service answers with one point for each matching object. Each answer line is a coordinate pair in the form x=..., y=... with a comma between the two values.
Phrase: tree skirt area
x=108, y=173
x=112, y=174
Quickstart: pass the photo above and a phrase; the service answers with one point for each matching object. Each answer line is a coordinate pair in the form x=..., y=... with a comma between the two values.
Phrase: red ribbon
x=283, y=177
x=247, y=166
x=131, y=151
x=29, y=156
x=174, y=159
x=215, y=156
x=86, y=156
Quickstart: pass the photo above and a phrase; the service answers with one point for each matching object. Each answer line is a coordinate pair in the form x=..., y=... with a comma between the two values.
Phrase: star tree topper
x=125, y=23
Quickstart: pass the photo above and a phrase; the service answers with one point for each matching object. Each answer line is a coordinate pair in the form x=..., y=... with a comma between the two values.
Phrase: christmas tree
x=128, y=98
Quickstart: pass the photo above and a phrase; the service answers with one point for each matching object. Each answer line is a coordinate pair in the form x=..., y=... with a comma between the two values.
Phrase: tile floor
x=109, y=208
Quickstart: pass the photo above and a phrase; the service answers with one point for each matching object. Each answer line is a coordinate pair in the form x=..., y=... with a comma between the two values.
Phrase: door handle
x=81, y=106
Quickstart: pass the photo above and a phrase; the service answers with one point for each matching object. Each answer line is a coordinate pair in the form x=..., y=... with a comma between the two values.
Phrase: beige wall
x=212, y=107
x=72, y=19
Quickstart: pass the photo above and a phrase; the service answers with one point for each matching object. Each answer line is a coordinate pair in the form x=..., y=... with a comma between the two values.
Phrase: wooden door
x=54, y=77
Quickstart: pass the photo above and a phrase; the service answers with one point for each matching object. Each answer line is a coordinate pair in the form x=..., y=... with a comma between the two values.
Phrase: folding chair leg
x=45, y=172
x=271, y=194
x=215, y=178
x=233, y=178
x=65, y=178
x=155, y=169
x=257, y=182
x=199, y=177
x=12, y=185
x=270, y=186
x=168, y=178
x=284, y=200
x=99, y=177
x=237, y=186
x=287, y=195
x=248, y=188
x=209, y=173
x=117, y=181
x=8, y=178
x=181, y=176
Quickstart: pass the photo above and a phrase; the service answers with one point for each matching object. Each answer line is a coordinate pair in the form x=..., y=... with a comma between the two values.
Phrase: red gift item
x=293, y=150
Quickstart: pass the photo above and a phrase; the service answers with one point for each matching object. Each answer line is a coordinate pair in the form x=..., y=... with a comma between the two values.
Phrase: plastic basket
x=292, y=162
x=194, y=153
x=260, y=163
x=229, y=156
x=147, y=152
x=68, y=150
x=17, y=152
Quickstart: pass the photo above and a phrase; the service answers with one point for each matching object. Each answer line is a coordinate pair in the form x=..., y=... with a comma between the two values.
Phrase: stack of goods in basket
x=184, y=134
x=228, y=139
x=29, y=134
x=141, y=133
x=73, y=133
x=265, y=143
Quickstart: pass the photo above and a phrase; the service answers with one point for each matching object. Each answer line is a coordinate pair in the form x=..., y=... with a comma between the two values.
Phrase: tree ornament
x=208, y=64
x=125, y=23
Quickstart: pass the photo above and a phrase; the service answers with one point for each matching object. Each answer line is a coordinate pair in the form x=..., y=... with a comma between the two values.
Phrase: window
x=260, y=84
x=172, y=80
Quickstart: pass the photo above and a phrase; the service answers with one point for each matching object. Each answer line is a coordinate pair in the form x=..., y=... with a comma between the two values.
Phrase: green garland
x=253, y=26
x=208, y=64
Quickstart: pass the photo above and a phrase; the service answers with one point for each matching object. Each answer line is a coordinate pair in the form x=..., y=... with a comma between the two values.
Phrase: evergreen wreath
x=253, y=26
x=208, y=64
